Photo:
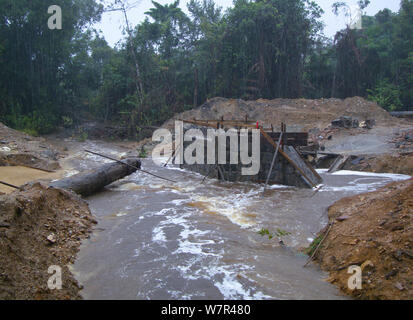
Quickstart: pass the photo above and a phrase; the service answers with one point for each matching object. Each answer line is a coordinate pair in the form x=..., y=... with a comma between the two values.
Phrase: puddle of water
x=18, y=175
x=194, y=240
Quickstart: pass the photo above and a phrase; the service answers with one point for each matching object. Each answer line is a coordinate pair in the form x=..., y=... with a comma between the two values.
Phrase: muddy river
x=199, y=240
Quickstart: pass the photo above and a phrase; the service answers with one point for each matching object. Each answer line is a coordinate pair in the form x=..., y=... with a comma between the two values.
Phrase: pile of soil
x=18, y=148
x=386, y=163
x=40, y=227
x=404, y=140
x=298, y=114
x=374, y=231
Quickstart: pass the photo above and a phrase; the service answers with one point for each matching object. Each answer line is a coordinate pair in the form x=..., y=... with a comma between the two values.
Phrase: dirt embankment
x=40, y=227
x=397, y=159
x=384, y=163
x=17, y=148
x=298, y=114
x=374, y=231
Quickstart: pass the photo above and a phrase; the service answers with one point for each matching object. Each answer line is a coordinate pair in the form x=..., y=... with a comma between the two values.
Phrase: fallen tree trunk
x=87, y=184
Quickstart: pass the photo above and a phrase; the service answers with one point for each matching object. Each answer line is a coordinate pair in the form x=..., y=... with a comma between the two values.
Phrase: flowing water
x=199, y=240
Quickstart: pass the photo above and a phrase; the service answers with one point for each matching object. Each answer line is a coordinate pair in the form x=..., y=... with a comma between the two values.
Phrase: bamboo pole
x=273, y=160
x=266, y=136
x=10, y=185
x=172, y=155
x=319, y=245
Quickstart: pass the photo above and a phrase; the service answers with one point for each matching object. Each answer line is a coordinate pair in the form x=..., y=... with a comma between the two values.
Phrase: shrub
x=386, y=95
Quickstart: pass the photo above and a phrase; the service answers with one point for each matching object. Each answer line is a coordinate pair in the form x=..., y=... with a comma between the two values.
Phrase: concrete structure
x=290, y=168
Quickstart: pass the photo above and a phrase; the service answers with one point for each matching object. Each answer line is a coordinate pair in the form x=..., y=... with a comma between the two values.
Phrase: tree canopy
x=173, y=61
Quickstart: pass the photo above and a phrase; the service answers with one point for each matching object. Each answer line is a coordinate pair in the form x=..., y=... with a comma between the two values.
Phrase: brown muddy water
x=19, y=175
x=194, y=240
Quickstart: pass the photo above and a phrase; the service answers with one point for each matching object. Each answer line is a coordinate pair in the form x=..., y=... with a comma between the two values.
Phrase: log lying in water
x=89, y=183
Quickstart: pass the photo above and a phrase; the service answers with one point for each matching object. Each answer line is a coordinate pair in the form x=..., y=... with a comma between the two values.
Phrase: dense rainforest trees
x=173, y=61
x=35, y=62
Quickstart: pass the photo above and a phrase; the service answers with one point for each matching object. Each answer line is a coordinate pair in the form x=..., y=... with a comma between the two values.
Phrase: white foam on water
x=234, y=207
x=161, y=159
x=177, y=169
x=202, y=264
x=92, y=157
x=70, y=173
x=365, y=183
x=359, y=188
x=162, y=212
x=192, y=247
x=276, y=186
x=118, y=154
x=158, y=235
x=209, y=268
x=232, y=289
x=188, y=240
x=126, y=187
x=179, y=202
x=393, y=176
x=179, y=219
x=150, y=214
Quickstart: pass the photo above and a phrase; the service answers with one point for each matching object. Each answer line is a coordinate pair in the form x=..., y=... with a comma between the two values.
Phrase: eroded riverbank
x=373, y=231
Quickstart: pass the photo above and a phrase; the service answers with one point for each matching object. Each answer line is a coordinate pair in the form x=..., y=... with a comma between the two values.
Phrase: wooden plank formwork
x=291, y=158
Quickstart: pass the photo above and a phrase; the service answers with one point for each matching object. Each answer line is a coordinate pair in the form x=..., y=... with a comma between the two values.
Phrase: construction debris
x=403, y=140
x=368, y=124
x=345, y=122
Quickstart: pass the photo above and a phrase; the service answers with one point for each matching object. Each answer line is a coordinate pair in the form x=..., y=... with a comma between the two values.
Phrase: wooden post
x=273, y=160
x=266, y=136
